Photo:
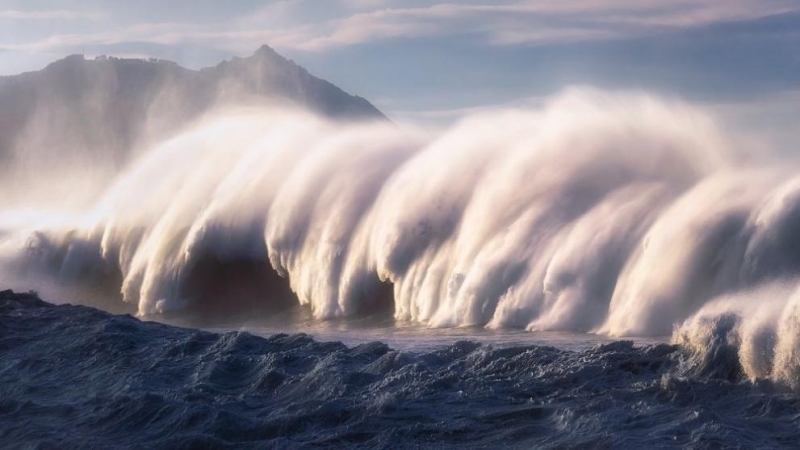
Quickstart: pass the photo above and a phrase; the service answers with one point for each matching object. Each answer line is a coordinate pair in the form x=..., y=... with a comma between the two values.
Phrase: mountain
x=106, y=106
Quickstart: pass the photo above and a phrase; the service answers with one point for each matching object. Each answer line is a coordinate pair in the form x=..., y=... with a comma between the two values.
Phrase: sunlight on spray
x=622, y=214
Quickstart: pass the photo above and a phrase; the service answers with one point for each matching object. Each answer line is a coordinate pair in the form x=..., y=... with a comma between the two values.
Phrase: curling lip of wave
x=617, y=213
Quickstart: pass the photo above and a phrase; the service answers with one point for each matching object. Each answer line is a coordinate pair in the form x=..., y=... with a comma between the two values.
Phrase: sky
x=434, y=60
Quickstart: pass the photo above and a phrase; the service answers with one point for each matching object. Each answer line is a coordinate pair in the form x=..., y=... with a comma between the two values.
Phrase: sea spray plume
x=620, y=213
x=737, y=241
x=751, y=334
x=617, y=151
x=314, y=219
x=206, y=214
x=531, y=182
x=786, y=367
x=682, y=260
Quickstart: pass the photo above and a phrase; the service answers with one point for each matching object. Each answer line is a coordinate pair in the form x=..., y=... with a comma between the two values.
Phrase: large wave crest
x=623, y=214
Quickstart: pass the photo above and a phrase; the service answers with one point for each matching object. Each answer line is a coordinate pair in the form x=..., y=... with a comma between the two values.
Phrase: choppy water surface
x=73, y=376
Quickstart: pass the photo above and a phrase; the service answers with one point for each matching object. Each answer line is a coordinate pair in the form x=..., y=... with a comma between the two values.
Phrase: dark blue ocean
x=77, y=377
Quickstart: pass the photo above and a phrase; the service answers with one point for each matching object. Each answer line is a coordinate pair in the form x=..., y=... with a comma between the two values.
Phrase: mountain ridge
x=107, y=106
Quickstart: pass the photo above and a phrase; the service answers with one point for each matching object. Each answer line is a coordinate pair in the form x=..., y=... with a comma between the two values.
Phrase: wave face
x=613, y=213
x=149, y=385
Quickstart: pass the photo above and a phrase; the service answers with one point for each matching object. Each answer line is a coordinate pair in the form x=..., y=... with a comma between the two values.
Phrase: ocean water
x=606, y=270
x=77, y=377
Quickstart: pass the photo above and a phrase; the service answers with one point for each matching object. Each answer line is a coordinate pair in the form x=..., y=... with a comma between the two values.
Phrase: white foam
x=618, y=213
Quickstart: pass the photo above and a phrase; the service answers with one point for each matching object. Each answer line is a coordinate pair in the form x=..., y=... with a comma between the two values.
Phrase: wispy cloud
x=537, y=22
x=15, y=14
x=526, y=22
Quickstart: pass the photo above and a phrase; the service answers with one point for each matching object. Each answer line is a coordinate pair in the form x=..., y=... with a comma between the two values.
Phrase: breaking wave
x=620, y=214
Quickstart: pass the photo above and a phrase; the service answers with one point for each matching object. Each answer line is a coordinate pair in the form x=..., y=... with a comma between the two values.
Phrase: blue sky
x=431, y=60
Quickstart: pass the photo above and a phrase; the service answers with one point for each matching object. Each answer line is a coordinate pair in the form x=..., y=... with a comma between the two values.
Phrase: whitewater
x=619, y=214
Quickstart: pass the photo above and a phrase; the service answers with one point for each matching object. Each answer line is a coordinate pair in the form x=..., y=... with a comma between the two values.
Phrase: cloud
x=14, y=14
x=365, y=4
x=538, y=22
x=286, y=24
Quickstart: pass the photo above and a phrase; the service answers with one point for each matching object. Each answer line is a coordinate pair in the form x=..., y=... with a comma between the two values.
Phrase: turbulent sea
x=467, y=287
x=77, y=377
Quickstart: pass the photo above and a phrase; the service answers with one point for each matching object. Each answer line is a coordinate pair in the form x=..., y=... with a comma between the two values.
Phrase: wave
x=147, y=384
x=622, y=214
x=750, y=335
